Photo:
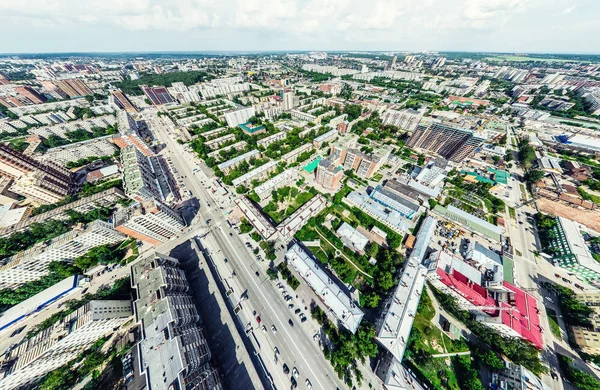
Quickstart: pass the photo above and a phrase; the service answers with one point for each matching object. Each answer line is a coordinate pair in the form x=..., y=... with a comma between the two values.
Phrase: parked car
x=286, y=369
x=291, y=322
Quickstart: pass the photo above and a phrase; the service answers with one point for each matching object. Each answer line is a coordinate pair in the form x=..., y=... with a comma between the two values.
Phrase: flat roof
x=395, y=330
x=284, y=177
x=254, y=172
x=339, y=303
x=475, y=219
x=235, y=160
x=382, y=213
x=255, y=217
x=577, y=244
x=289, y=226
x=38, y=301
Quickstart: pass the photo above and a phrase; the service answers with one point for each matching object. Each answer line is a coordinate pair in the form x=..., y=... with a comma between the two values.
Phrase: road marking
x=315, y=377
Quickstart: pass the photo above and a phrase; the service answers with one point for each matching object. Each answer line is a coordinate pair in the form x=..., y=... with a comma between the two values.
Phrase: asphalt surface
x=295, y=343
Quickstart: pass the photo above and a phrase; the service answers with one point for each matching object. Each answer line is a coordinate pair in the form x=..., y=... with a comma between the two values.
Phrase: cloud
x=297, y=24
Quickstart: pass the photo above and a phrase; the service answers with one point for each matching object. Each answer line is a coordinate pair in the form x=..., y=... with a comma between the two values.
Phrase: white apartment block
x=237, y=146
x=86, y=124
x=44, y=107
x=63, y=342
x=150, y=221
x=215, y=143
x=125, y=123
x=221, y=87
x=259, y=173
x=229, y=165
x=272, y=139
x=405, y=119
x=97, y=147
x=286, y=177
x=333, y=70
x=32, y=264
x=273, y=112
x=237, y=117
x=291, y=157
x=303, y=116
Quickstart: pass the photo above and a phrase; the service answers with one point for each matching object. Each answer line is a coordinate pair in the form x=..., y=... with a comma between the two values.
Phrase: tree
x=534, y=175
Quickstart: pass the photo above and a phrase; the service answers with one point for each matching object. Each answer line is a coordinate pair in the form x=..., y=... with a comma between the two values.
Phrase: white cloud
x=394, y=24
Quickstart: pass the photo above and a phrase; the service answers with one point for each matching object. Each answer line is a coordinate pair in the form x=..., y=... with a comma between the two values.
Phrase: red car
x=258, y=319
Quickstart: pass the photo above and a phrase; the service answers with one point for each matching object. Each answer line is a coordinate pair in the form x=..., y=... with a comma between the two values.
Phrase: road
x=296, y=346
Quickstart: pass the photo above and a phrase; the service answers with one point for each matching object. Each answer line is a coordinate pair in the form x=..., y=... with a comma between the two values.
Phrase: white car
x=308, y=384
x=295, y=373
x=264, y=329
x=274, y=329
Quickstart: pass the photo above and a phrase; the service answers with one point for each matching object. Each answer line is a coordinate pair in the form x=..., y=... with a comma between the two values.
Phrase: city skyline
x=261, y=25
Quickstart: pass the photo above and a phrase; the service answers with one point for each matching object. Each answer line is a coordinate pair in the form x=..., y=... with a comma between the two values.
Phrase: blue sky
x=556, y=26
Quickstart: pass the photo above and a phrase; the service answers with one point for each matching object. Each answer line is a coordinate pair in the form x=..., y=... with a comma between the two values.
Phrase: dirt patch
x=588, y=218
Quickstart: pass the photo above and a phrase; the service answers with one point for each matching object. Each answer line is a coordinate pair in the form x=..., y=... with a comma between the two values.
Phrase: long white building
x=63, y=342
x=32, y=264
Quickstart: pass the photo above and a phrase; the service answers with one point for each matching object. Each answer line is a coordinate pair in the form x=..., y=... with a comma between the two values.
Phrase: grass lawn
x=427, y=339
x=552, y=320
x=513, y=213
x=523, y=191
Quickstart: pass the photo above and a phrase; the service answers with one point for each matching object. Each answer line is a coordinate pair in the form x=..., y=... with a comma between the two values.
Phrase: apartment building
x=588, y=339
x=449, y=142
x=230, y=165
x=44, y=182
x=303, y=116
x=149, y=221
x=260, y=173
x=288, y=100
x=239, y=116
x=217, y=142
x=173, y=350
x=271, y=139
x=286, y=177
x=291, y=157
x=125, y=123
x=32, y=264
x=221, y=87
x=364, y=165
x=72, y=87
x=144, y=178
x=120, y=99
x=404, y=119
x=35, y=357
x=329, y=174
x=319, y=141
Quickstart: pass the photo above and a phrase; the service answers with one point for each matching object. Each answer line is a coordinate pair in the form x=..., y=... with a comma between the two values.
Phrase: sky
x=513, y=26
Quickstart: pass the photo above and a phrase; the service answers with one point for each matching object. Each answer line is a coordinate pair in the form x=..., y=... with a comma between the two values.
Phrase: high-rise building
x=121, y=100
x=125, y=123
x=364, y=165
x=288, y=100
x=329, y=174
x=405, y=119
x=30, y=94
x=157, y=95
x=63, y=342
x=239, y=116
x=173, y=351
x=588, y=338
x=449, y=142
x=144, y=177
x=45, y=182
x=32, y=264
x=149, y=221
